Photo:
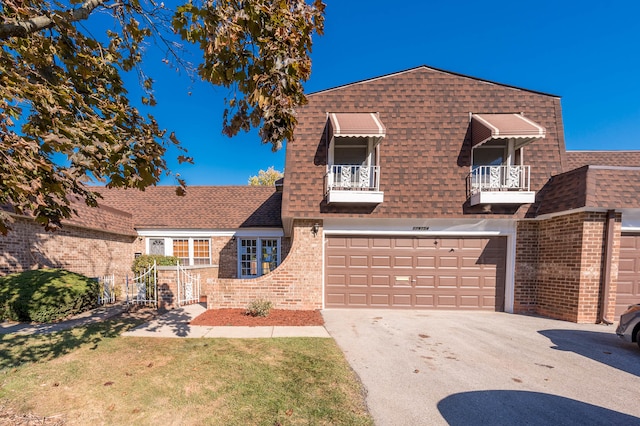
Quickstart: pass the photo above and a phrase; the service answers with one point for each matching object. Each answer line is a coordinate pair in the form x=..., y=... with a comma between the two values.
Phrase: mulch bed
x=238, y=317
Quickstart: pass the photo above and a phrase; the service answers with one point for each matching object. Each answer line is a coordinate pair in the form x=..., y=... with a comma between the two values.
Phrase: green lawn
x=92, y=375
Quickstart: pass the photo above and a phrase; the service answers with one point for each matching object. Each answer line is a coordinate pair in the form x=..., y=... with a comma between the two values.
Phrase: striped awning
x=361, y=124
x=487, y=127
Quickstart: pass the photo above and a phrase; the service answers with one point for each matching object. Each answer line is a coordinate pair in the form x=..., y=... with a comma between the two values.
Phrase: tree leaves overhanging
x=66, y=116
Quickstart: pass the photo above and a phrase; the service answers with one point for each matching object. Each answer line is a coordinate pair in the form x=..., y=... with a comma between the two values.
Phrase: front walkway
x=175, y=323
x=95, y=315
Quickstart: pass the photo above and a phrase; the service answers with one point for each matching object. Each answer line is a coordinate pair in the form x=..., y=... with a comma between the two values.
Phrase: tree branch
x=23, y=29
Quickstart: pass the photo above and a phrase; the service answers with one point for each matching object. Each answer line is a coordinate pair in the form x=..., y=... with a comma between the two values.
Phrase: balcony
x=500, y=185
x=354, y=184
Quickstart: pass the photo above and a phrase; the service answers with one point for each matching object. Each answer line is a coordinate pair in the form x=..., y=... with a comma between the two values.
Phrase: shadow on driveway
x=606, y=348
x=505, y=407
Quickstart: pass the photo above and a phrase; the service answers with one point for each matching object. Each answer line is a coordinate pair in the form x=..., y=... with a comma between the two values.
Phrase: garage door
x=406, y=272
x=628, y=273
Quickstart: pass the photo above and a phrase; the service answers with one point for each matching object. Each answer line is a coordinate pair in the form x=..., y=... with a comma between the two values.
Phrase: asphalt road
x=488, y=368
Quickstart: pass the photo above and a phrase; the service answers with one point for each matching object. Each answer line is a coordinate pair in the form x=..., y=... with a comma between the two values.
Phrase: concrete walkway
x=175, y=323
x=96, y=315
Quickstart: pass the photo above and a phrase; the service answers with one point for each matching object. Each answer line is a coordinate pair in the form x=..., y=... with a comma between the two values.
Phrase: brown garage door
x=628, y=273
x=409, y=272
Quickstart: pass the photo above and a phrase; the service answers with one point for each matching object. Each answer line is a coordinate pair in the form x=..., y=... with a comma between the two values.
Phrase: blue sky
x=586, y=52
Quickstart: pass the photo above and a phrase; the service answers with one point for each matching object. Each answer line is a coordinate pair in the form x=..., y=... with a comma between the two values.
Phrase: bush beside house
x=46, y=295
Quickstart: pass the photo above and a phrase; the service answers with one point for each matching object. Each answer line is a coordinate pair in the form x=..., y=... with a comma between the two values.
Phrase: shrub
x=259, y=308
x=46, y=295
x=142, y=262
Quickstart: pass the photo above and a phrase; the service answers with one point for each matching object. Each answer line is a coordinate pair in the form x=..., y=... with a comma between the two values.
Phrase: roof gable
x=426, y=67
x=425, y=158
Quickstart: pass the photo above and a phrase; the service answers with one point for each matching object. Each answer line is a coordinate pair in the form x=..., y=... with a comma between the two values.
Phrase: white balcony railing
x=499, y=178
x=354, y=184
x=353, y=178
x=500, y=185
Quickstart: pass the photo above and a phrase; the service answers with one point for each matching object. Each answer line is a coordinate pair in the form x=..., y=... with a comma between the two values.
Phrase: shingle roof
x=606, y=187
x=425, y=155
x=577, y=159
x=426, y=67
x=102, y=218
x=203, y=207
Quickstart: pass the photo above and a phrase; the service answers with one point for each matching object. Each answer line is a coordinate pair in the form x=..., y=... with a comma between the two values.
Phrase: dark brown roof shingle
x=203, y=207
x=425, y=156
x=577, y=159
x=604, y=187
x=102, y=218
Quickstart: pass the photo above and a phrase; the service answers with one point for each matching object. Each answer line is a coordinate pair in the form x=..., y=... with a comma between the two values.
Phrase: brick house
x=422, y=189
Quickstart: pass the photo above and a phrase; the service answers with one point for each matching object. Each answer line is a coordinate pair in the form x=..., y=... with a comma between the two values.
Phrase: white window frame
x=370, y=158
x=168, y=247
x=259, y=243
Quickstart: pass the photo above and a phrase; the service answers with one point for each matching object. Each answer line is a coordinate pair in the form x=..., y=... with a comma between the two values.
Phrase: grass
x=92, y=375
x=45, y=295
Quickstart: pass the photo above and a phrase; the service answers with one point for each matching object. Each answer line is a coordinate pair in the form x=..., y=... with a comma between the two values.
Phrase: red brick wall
x=610, y=310
x=295, y=284
x=168, y=287
x=88, y=252
x=224, y=252
x=559, y=267
x=526, y=271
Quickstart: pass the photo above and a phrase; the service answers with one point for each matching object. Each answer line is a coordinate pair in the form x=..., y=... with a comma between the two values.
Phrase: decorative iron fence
x=143, y=288
x=188, y=286
x=107, y=289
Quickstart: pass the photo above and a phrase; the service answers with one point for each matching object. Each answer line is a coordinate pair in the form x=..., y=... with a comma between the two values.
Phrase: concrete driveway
x=488, y=368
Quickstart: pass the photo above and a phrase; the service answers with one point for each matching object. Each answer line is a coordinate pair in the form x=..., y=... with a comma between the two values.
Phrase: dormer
x=353, y=172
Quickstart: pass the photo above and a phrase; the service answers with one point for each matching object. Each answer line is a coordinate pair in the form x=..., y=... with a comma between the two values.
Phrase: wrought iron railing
x=499, y=178
x=107, y=291
x=188, y=285
x=143, y=288
x=353, y=178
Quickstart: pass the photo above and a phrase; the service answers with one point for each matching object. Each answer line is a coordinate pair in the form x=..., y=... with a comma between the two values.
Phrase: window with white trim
x=181, y=251
x=201, y=253
x=257, y=256
x=190, y=251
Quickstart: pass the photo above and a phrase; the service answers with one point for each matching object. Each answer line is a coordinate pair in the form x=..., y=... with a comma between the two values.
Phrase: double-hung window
x=257, y=256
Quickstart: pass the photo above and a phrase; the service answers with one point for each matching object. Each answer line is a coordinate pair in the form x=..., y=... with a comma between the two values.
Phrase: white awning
x=359, y=124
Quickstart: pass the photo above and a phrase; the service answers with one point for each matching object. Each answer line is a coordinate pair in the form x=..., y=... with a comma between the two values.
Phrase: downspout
x=606, y=279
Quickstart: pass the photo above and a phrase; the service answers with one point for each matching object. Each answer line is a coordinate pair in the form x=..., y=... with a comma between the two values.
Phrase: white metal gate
x=107, y=289
x=188, y=286
x=143, y=289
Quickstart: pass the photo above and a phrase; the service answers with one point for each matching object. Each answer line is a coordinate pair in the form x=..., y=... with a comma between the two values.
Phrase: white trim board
x=212, y=233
